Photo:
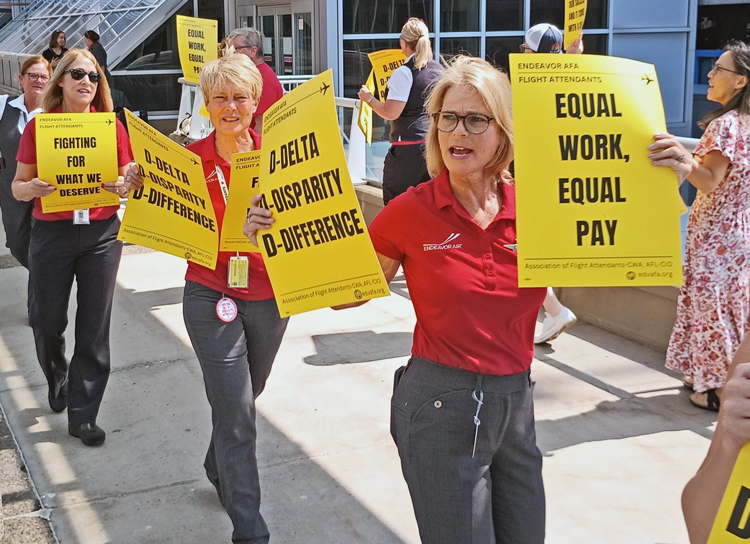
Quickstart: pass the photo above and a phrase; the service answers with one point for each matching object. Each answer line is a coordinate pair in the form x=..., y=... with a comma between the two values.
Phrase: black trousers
x=17, y=223
x=59, y=252
x=404, y=167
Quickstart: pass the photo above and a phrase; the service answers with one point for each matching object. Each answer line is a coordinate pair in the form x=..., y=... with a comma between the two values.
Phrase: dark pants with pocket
x=404, y=167
x=236, y=360
x=59, y=252
x=469, y=483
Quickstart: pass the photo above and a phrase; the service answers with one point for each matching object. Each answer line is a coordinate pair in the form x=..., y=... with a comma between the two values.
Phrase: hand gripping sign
x=318, y=252
x=172, y=212
x=196, y=42
x=77, y=152
x=592, y=210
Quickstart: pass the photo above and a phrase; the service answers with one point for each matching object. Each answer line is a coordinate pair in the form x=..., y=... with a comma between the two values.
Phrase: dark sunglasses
x=78, y=75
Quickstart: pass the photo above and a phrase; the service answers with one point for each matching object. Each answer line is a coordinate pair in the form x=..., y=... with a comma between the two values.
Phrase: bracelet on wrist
x=369, y=101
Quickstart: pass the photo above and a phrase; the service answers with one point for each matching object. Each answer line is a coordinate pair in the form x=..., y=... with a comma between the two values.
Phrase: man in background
x=249, y=41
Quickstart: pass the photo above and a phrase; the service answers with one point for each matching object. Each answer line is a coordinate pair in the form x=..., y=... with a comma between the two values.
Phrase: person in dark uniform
x=404, y=105
x=15, y=113
x=56, y=48
x=91, y=38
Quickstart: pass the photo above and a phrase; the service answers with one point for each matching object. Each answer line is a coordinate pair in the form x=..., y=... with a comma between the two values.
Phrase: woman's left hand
x=133, y=179
x=668, y=151
x=118, y=187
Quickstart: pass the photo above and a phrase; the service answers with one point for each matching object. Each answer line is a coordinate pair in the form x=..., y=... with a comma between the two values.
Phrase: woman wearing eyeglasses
x=713, y=307
x=404, y=164
x=462, y=412
x=63, y=248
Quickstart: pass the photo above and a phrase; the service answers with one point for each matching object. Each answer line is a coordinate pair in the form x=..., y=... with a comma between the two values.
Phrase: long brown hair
x=53, y=38
x=53, y=96
x=740, y=52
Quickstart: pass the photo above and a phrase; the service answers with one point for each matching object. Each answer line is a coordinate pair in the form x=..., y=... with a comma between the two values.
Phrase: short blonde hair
x=417, y=36
x=235, y=69
x=493, y=87
x=53, y=96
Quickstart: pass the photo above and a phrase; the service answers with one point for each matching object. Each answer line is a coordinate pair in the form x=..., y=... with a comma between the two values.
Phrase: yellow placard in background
x=575, y=15
x=318, y=252
x=77, y=152
x=384, y=63
x=365, y=111
x=731, y=525
x=245, y=184
x=592, y=210
x=172, y=212
x=196, y=42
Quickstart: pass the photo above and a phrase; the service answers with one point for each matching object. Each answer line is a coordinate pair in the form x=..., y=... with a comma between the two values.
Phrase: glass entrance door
x=288, y=45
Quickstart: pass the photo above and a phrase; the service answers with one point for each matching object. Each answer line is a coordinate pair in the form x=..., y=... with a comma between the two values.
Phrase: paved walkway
x=618, y=434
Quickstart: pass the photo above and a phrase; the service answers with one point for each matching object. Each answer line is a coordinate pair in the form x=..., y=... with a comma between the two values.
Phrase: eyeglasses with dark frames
x=718, y=67
x=474, y=123
x=37, y=77
x=78, y=75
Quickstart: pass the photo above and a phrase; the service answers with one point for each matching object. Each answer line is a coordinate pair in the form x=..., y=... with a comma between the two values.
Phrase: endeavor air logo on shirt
x=445, y=245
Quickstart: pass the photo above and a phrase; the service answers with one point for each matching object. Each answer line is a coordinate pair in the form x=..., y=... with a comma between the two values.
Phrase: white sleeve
x=3, y=101
x=399, y=85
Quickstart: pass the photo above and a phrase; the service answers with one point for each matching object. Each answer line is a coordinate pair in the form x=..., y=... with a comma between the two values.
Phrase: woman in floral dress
x=713, y=308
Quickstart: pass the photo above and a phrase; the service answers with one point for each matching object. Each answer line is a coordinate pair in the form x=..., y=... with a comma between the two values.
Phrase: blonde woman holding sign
x=404, y=165
x=235, y=331
x=67, y=245
x=462, y=413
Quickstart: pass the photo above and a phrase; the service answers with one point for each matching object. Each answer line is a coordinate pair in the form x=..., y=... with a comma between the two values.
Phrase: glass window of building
x=459, y=15
x=505, y=14
x=373, y=17
x=450, y=47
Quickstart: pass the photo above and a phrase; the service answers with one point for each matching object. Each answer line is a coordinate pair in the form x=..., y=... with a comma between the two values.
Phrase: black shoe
x=89, y=433
x=61, y=402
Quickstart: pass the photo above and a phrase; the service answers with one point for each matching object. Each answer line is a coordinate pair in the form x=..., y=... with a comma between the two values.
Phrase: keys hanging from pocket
x=479, y=400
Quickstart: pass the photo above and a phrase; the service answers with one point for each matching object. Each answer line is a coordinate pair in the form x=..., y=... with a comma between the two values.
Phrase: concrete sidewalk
x=618, y=434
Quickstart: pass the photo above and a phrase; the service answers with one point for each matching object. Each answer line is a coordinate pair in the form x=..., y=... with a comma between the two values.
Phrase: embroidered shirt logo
x=445, y=245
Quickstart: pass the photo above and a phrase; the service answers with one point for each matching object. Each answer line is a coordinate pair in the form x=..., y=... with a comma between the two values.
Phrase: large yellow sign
x=384, y=63
x=732, y=525
x=245, y=184
x=318, y=252
x=196, y=42
x=172, y=212
x=365, y=111
x=592, y=210
x=575, y=15
x=77, y=152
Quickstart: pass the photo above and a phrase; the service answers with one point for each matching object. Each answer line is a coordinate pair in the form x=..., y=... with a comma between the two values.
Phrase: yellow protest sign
x=731, y=525
x=575, y=15
x=77, y=152
x=592, y=210
x=244, y=186
x=384, y=63
x=172, y=212
x=196, y=42
x=318, y=252
x=365, y=111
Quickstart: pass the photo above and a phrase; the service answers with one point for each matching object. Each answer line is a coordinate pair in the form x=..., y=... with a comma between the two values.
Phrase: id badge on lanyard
x=239, y=267
x=81, y=217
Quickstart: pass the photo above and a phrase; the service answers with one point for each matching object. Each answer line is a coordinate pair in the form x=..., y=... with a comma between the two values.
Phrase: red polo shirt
x=27, y=154
x=272, y=89
x=259, y=286
x=463, y=282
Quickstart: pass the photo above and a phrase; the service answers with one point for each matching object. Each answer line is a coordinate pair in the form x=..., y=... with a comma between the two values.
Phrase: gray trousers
x=236, y=360
x=488, y=493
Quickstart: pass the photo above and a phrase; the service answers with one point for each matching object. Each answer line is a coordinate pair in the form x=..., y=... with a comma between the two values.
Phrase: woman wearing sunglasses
x=68, y=245
x=713, y=307
x=462, y=412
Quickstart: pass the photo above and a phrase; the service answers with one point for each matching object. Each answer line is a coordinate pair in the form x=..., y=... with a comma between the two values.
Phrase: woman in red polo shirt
x=235, y=332
x=462, y=412
x=66, y=245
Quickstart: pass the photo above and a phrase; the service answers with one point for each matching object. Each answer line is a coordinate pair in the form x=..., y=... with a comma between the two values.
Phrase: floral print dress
x=713, y=307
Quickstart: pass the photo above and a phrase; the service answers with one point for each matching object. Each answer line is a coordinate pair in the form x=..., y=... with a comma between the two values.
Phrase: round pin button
x=438, y=404
x=226, y=309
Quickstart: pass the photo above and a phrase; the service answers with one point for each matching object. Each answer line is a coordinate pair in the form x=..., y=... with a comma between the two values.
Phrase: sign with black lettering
x=732, y=522
x=77, y=153
x=197, y=43
x=591, y=209
x=318, y=252
x=172, y=212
